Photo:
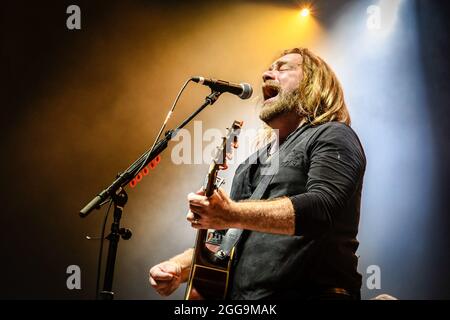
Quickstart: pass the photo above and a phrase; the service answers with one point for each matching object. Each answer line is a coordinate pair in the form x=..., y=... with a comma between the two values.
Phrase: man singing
x=299, y=238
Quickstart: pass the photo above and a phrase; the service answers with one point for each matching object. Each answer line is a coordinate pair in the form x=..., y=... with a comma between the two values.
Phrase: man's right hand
x=165, y=277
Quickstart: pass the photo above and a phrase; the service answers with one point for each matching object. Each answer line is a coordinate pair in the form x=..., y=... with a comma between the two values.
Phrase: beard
x=287, y=102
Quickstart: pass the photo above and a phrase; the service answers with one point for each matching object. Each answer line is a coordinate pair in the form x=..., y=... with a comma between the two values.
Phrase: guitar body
x=209, y=278
x=210, y=272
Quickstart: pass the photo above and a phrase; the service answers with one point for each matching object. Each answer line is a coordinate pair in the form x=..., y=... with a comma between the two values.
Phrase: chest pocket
x=292, y=175
x=296, y=158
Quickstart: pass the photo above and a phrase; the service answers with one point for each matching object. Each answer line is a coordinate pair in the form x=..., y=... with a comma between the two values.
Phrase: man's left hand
x=216, y=212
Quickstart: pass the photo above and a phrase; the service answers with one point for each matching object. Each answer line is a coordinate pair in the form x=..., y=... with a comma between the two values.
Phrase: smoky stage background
x=79, y=106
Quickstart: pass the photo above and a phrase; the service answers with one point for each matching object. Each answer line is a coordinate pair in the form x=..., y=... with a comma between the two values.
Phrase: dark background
x=77, y=108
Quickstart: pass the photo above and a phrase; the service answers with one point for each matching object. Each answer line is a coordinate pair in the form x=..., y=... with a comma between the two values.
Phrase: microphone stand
x=119, y=197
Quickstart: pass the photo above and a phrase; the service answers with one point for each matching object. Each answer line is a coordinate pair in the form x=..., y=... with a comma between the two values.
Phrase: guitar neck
x=209, y=273
x=202, y=233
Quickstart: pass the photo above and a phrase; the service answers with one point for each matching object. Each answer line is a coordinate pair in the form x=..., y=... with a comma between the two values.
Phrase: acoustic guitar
x=210, y=268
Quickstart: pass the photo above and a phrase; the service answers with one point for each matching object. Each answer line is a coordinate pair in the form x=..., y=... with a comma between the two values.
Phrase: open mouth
x=270, y=92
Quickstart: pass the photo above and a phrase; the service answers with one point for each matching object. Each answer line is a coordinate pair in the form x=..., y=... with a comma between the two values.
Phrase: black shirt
x=321, y=169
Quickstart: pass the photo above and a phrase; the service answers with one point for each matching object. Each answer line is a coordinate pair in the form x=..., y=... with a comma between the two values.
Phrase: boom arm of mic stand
x=124, y=178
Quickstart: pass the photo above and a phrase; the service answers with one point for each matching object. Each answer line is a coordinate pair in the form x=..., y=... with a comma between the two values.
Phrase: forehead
x=289, y=58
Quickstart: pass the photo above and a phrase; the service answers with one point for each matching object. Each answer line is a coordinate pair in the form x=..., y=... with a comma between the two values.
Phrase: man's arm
x=184, y=260
x=337, y=166
x=167, y=276
x=270, y=216
x=220, y=212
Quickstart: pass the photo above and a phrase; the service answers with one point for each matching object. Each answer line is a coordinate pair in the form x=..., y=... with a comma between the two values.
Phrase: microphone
x=242, y=90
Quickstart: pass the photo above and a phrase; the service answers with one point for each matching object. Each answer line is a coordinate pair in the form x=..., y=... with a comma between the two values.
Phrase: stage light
x=305, y=12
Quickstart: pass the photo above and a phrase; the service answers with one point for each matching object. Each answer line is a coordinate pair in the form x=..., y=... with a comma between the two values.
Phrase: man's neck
x=286, y=124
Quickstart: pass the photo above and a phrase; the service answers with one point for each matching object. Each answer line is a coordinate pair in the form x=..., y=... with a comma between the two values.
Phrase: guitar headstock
x=223, y=152
x=229, y=142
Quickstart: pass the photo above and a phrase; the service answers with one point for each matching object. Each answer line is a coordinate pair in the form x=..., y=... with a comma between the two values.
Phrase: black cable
x=100, y=254
x=102, y=236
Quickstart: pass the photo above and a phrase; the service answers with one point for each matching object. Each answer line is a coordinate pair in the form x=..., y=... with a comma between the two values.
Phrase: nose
x=268, y=75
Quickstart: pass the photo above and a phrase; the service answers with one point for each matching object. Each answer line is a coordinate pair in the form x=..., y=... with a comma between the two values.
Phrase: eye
x=285, y=67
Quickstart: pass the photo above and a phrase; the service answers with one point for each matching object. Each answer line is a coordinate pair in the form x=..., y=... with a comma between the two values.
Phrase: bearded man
x=299, y=239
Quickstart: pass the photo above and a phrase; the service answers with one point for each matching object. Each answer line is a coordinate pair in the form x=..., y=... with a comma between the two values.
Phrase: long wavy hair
x=321, y=95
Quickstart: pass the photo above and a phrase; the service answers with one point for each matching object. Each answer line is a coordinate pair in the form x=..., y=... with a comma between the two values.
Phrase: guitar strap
x=232, y=237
